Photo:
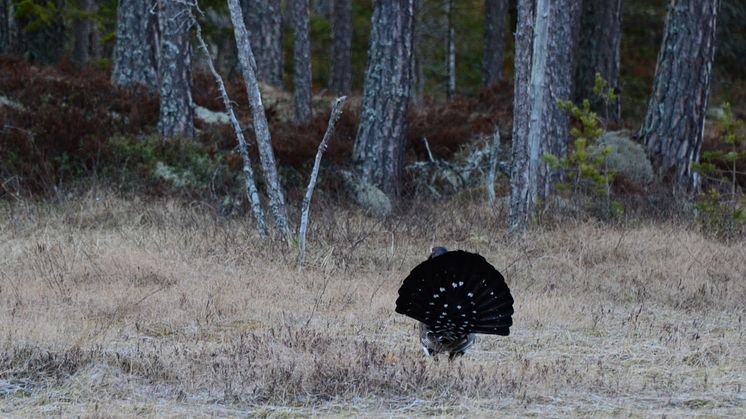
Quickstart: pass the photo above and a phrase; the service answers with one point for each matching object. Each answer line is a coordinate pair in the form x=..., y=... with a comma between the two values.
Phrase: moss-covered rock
x=366, y=195
x=627, y=158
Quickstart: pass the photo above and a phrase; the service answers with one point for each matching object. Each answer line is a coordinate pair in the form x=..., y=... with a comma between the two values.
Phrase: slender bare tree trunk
x=277, y=205
x=494, y=44
x=674, y=123
x=379, y=145
x=136, y=50
x=302, y=62
x=264, y=23
x=251, y=191
x=598, y=52
x=341, y=72
x=175, y=70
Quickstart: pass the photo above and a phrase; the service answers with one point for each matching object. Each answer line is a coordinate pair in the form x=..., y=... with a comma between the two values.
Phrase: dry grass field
x=160, y=308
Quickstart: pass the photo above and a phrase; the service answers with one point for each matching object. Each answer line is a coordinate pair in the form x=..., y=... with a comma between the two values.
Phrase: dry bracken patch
x=162, y=308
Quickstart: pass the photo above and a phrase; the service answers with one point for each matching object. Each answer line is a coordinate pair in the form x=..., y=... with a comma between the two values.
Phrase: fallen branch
x=336, y=112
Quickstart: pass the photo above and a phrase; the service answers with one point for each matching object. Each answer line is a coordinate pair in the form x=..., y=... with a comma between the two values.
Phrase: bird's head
x=437, y=251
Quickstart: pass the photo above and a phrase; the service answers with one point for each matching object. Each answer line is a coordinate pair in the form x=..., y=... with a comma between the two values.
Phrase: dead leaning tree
x=277, y=206
x=243, y=149
x=251, y=189
x=336, y=112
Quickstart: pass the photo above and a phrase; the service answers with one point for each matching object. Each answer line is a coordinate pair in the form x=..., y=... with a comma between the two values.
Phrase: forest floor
x=113, y=307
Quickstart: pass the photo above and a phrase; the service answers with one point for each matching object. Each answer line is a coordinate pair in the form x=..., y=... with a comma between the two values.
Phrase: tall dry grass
x=115, y=307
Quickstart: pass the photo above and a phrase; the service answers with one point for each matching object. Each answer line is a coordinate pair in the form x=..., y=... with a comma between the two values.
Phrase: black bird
x=455, y=295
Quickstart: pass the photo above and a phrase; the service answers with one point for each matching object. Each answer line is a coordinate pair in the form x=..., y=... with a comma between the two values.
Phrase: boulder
x=211, y=117
x=366, y=195
x=628, y=158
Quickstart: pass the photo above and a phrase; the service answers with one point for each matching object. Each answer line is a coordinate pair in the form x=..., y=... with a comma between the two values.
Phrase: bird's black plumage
x=454, y=295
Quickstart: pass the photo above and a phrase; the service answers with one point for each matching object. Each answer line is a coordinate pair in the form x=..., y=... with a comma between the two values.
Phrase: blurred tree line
x=45, y=31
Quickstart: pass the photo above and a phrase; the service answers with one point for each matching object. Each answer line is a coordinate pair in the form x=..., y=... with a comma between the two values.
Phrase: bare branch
x=336, y=112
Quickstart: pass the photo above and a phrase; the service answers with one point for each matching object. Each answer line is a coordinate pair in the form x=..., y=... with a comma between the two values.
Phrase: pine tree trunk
x=263, y=20
x=341, y=65
x=82, y=34
x=494, y=44
x=94, y=42
x=539, y=125
x=379, y=146
x=522, y=198
x=175, y=68
x=302, y=62
x=674, y=122
x=553, y=133
x=450, y=50
x=598, y=52
x=136, y=50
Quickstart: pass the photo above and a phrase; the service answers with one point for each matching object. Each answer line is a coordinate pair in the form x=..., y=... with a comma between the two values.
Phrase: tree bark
x=341, y=71
x=494, y=44
x=379, y=145
x=598, y=52
x=302, y=62
x=553, y=126
x=263, y=19
x=136, y=50
x=674, y=123
x=542, y=77
x=522, y=197
x=277, y=205
x=175, y=68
